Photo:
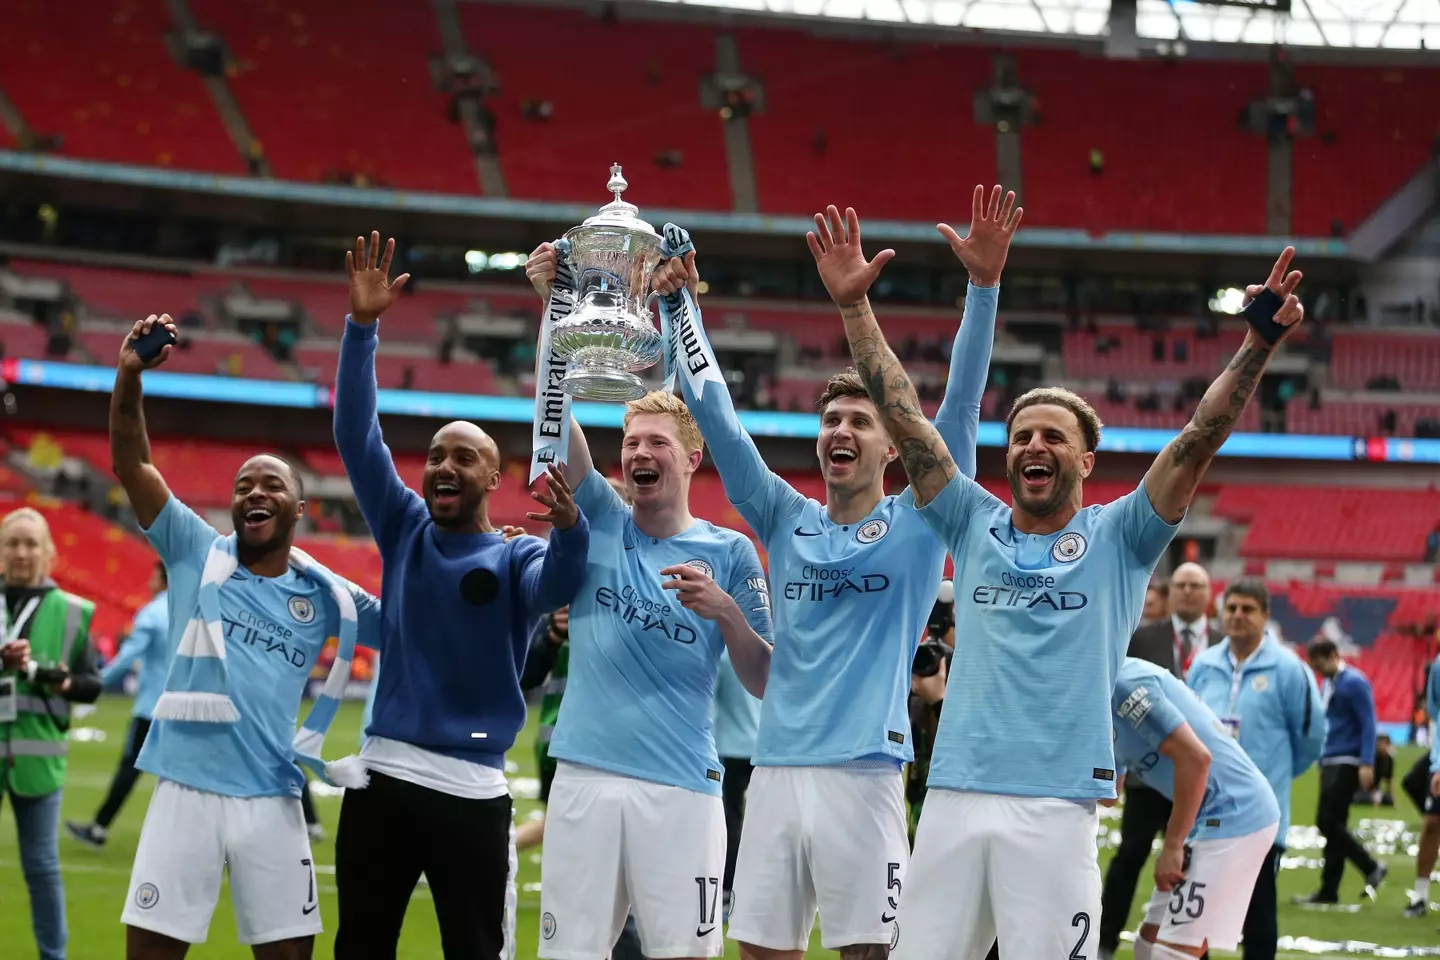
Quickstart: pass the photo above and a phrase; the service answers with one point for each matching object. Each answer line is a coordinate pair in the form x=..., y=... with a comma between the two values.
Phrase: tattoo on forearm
x=921, y=450
x=1221, y=407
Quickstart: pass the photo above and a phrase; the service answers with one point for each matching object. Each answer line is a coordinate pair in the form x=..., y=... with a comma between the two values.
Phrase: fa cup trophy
x=609, y=336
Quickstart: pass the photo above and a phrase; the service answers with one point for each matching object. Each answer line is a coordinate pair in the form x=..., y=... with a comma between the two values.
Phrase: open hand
x=987, y=244
x=675, y=273
x=835, y=244
x=540, y=269
x=1169, y=868
x=563, y=513
x=129, y=359
x=696, y=591
x=371, y=292
x=1283, y=281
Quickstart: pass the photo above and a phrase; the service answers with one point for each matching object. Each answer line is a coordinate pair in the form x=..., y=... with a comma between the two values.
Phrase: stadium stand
x=107, y=84
x=330, y=130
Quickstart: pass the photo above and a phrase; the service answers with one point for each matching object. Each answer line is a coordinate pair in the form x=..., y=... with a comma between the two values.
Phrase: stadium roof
x=1363, y=24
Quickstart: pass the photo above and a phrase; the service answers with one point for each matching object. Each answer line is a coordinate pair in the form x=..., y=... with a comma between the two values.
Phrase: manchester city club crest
x=1069, y=548
x=302, y=609
x=702, y=566
x=146, y=896
x=547, y=926
x=872, y=530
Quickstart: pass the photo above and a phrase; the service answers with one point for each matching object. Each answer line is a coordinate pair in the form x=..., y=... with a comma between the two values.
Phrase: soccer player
x=1422, y=784
x=635, y=817
x=1047, y=596
x=146, y=645
x=248, y=616
x=1222, y=819
x=854, y=582
x=460, y=602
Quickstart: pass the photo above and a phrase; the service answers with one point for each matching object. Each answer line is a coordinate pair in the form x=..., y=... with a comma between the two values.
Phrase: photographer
x=46, y=664
x=928, y=675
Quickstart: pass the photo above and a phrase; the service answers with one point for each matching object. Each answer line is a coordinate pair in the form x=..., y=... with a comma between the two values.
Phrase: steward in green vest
x=46, y=664
x=60, y=670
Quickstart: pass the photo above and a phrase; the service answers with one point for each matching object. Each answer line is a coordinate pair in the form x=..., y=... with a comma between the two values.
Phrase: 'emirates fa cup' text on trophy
x=610, y=336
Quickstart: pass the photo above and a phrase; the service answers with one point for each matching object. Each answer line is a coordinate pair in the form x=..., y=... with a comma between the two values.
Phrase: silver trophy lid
x=618, y=213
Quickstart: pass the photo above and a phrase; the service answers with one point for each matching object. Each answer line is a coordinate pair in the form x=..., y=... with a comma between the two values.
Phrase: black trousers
x=1338, y=783
x=307, y=805
x=393, y=831
x=126, y=775
x=1145, y=813
x=1261, y=929
x=733, y=788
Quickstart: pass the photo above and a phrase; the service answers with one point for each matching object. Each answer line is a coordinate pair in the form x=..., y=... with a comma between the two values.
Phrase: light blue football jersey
x=1042, y=622
x=737, y=714
x=274, y=629
x=149, y=644
x=850, y=600
x=1150, y=704
x=642, y=667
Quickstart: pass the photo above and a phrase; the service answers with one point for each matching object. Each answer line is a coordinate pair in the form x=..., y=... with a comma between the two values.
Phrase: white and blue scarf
x=197, y=688
x=683, y=351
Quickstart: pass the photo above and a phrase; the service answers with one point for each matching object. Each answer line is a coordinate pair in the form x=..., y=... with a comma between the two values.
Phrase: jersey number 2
x=1081, y=920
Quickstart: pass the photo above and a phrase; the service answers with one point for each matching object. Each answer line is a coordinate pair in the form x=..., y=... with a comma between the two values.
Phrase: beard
x=246, y=549
x=467, y=507
x=1061, y=488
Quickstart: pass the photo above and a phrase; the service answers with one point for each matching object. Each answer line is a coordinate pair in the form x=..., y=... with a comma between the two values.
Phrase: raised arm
x=835, y=244
x=983, y=251
x=1173, y=477
x=381, y=494
x=750, y=485
x=129, y=443
x=552, y=576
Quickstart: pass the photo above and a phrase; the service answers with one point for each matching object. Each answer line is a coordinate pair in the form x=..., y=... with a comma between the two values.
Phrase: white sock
x=1422, y=889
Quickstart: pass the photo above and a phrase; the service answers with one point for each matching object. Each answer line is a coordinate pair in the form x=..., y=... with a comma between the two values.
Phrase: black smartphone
x=149, y=345
x=1260, y=313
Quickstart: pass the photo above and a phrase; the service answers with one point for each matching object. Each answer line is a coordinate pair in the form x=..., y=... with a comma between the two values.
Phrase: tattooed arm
x=835, y=244
x=1176, y=473
x=927, y=461
x=129, y=443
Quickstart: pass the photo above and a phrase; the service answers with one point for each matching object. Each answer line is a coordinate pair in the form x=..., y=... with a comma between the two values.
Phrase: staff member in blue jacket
x=1347, y=764
x=1268, y=699
x=149, y=645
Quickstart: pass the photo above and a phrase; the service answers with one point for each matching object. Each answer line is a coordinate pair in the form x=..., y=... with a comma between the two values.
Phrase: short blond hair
x=30, y=513
x=1090, y=425
x=670, y=405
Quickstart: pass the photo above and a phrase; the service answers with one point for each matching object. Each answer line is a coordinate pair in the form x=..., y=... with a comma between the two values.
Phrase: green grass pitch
x=95, y=881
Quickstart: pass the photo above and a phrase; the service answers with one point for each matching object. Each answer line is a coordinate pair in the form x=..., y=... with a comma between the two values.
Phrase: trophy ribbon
x=550, y=432
x=686, y=350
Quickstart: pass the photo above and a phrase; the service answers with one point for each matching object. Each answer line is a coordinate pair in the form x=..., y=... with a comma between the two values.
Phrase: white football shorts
x=1210, y=904
x=831, y=839
x=190, y=836
x=1022, y=868
x=616, y=845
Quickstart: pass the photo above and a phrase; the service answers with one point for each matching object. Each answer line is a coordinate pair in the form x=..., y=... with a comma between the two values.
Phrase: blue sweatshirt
x=1350, y=713
x=1274, y=702
x=451, y=682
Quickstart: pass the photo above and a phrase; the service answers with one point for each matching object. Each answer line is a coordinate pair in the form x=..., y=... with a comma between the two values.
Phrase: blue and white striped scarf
x=197, y=688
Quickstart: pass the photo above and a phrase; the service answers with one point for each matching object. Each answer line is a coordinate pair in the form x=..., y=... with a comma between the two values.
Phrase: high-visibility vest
x=33, y=748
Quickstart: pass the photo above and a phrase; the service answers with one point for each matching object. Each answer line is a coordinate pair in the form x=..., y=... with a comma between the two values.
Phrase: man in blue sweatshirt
x=856, y=579
x=459, y=603
x=1267, y=699
x=146, y=645
x=1346, y=765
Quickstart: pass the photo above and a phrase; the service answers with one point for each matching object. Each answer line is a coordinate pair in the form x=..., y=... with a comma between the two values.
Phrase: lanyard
x=1235, y=680
x=12, y=632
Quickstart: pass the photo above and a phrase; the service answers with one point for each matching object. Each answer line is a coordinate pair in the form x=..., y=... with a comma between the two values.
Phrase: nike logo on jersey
x=704, y=931
x=310, y=909
x=800, y=532
x=887, y=917
x=995, y=532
